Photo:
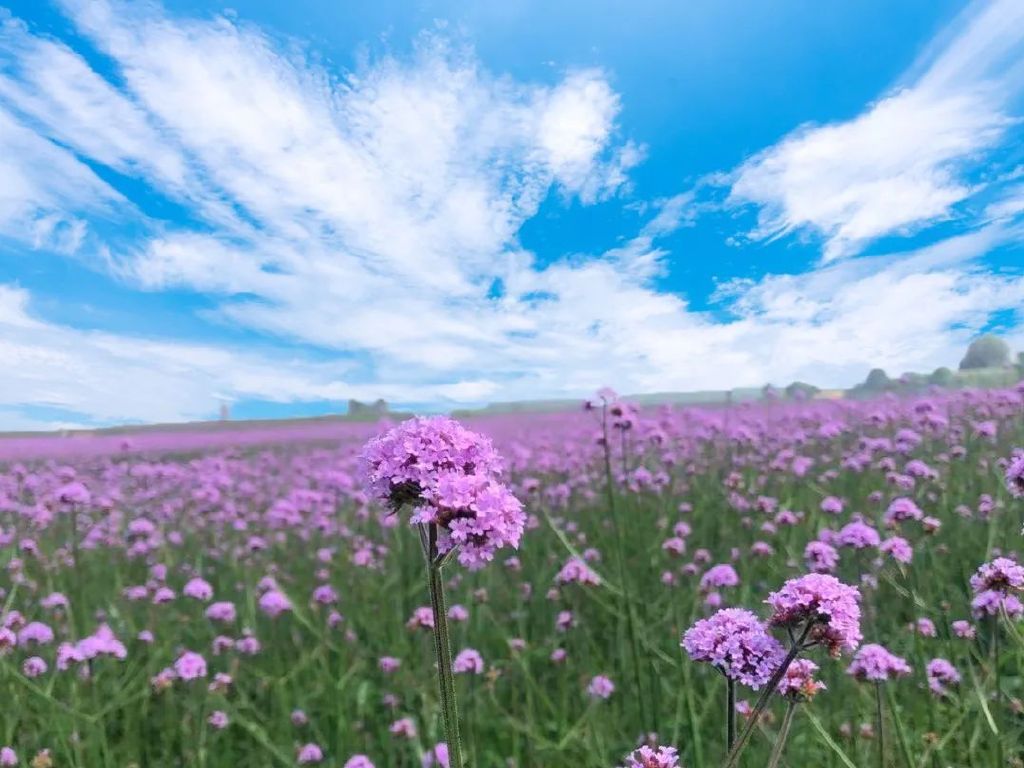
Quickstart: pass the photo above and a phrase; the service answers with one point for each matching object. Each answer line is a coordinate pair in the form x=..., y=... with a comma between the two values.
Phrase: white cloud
x=45, y=189
x=904, y=163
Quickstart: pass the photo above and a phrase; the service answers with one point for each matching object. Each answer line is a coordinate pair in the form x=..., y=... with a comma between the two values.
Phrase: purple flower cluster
x=451, y=476
x=993, y=584
x=875, y=663
x=738, y=644
x=942, y=675
x=799, y=683
x=829, y=607
x=1015, y=476
x=653, y=757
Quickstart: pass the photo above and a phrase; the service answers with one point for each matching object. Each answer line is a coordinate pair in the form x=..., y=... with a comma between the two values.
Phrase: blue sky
x=285, y=205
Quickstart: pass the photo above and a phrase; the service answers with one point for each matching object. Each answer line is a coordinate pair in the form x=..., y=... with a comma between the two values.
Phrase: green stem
x=443, y=652
x=880, y=725
x=999, y=691
x=730, y=712
x=732, y=759
x=626, y=597
x=780, y=741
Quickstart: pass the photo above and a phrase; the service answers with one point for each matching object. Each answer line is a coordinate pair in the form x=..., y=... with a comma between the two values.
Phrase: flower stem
x=443, y=651
x=780, y=741
x=880, y=725
x=730, y=712
x=627, y=601
x=999, y=691
x=732, y=759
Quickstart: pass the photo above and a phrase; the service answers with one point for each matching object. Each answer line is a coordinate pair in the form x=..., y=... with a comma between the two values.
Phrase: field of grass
x=114, y=556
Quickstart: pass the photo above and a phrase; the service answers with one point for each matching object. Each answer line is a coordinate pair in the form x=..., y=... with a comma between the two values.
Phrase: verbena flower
x=653, y=757
x=1000, y=575
x=451, y=476
x=719, y=576
x=898, y=549
x=941, y=676
x=1015, y=476
x=737, y=643
x=875, y=663
x=820, y=557
x=798, y=683
x=600, y=687
x=830, y=607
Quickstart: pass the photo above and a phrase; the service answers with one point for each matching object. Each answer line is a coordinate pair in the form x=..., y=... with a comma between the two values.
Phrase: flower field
x=844, y=571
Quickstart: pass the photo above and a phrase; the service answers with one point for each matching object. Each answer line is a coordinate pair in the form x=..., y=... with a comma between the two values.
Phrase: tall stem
x=626, y=596
x=999, y=691
x=880, y=725
x=732, y=759
x=730, y=712
x=443, y=652
x=780, y=741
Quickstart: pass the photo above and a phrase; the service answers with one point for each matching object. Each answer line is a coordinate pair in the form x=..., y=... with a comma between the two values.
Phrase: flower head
x=1000, y=575
x=875, y=663
x=798, y=683
x=653, y=757
x=941, y=675
x=451, y=476
x=1015, y=476
x=600, y=687
x=736, y=642
x=829, y=607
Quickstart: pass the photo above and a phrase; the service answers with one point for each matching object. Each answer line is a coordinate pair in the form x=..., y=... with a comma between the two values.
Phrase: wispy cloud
x=911, y=157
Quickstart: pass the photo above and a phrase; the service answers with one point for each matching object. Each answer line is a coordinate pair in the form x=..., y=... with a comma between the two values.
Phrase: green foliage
x=986, y=351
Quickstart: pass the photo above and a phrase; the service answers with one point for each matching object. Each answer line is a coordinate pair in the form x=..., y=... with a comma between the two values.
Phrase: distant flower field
x=819, y=583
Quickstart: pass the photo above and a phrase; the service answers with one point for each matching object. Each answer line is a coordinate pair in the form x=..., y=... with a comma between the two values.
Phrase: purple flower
x=820, y=557
x=575, y=570
x=437, y=756
x=468, y=661
x=450, y=475
x=600, y=687
x=798, y=683
x=719, y=576
x=34, y=666
x=190, y=666
x=898, y=548
x=941, y=675
x=874, y=663
x=736, y=643
x=963, y=629
x=274, y=603
x=653, y=757
x=358, y=761
x=992, y=602
x=902, y=509
x=310, y=753
x=857, y=535
x=1000, y=575
x=223, y=612
x=829, y=607
x=832, y=505
x=198, y=589
x=1015, y=476
x=218, y=720
x=8, y=757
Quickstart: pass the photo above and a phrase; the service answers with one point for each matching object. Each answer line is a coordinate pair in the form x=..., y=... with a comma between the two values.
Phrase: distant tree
x=877, y=381
x=986, y=351
x=942, y=377
x=800, y=390
x=768, y=392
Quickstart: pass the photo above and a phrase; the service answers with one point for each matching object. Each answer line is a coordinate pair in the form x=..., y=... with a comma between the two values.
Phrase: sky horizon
x=446, y=204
